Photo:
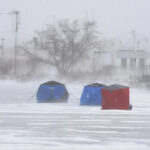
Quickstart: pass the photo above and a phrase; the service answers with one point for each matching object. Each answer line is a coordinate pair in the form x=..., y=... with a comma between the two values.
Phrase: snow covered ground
x=31, y=126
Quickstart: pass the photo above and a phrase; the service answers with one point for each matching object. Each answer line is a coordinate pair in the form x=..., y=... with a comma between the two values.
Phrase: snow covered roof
x=52, y=83
x=133, y=54
x=115, y=87
x=96, y=85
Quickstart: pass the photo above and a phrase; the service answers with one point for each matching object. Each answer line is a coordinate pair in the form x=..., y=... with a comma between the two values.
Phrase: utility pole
x=2, y=54
x=112, y=45
x=2, y=40
x=146, y=43
x=16, y=13
x=120, y=44
x=133, y=36
x=93, y=62
x=143, y=40
x=35, y=46
x=138, y=43
x=98, y=52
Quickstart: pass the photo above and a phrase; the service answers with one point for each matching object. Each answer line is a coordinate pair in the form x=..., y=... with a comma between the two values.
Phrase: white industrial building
x=127, y=61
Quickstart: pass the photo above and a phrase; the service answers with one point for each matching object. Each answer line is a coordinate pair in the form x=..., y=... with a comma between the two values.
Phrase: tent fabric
x=52, y=83
x=52, y=92
x=96, y=85
x=115, y=97
x=115, y=87
x=91, y=95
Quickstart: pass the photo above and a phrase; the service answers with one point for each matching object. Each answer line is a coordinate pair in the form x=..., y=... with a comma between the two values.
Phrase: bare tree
x=66, y=43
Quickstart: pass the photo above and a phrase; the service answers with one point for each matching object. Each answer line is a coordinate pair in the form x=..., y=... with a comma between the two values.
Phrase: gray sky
x=114, y=17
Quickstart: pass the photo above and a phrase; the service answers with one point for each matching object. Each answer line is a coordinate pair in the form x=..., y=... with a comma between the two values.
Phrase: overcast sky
x=114, y=17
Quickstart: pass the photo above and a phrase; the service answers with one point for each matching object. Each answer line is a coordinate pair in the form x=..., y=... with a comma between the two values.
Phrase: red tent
x=115, y=97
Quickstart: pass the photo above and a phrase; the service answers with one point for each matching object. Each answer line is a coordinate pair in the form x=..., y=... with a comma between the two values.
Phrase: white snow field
x=32, y=126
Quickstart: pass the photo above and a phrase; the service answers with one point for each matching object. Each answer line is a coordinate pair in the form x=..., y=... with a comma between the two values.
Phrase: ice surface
x=31, y=126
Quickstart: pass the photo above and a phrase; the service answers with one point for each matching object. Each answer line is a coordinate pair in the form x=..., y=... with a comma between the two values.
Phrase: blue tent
x=91, y=95
x=52, y=91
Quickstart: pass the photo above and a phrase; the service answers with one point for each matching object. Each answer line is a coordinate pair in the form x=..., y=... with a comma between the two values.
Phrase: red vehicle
x=115, y=97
